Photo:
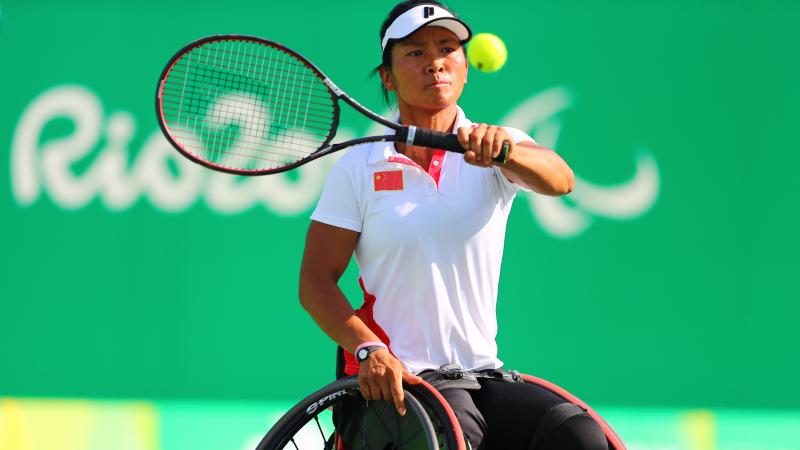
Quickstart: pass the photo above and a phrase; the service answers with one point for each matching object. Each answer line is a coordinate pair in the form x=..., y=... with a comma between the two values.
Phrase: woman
x=427, y=229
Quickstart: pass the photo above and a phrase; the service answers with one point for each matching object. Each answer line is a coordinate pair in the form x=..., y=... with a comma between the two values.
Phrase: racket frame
x=411, y=135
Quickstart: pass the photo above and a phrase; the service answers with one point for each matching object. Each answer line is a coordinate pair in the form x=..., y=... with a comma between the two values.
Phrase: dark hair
x=386, y=57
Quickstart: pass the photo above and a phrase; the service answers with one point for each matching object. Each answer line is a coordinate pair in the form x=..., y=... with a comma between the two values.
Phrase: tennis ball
x=487, y=52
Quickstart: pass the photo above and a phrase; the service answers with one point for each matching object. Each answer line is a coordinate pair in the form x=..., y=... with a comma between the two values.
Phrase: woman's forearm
x=327, y=253
x=326, y=304
x=540, y=169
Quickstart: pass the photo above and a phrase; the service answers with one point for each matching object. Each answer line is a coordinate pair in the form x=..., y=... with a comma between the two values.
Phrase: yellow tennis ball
x=487, y=52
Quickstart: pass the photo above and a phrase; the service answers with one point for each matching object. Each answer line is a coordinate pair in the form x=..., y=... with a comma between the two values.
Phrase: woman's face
x=429, y=69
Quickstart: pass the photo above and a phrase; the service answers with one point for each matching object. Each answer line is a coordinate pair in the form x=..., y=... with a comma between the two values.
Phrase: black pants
x=504, y=416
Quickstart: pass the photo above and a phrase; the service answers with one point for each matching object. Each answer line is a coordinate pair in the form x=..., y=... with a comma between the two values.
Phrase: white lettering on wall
x=38, y=166
x=172, y=183
x=540, y=115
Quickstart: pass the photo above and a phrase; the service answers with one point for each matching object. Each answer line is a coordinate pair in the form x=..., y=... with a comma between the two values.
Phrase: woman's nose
x=436, y=66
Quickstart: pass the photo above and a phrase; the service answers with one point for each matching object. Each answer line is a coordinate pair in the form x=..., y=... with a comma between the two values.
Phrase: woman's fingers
x=482, y=142
x=387, y=389
x=397, y=395
x=463, y=136
x=366, y=391
x=476, y=141
x=381, y=378
x=500, y=139
x=497, y=146
x=487, y=145
x=411, y=379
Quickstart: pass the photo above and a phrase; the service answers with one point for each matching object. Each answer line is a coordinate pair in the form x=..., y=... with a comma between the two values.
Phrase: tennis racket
x=249, y=106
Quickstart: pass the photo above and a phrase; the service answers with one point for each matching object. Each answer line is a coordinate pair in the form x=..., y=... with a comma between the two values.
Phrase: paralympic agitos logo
x=173, y=184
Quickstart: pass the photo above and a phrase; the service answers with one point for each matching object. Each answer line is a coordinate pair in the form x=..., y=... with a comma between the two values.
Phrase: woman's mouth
x=438, y=84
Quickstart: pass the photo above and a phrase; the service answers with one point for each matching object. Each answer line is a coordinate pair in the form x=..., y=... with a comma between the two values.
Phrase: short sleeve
x=517, y=136
x=339, y=204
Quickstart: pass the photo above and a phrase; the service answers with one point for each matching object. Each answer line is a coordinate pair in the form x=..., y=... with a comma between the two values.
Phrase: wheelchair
x=336, y=417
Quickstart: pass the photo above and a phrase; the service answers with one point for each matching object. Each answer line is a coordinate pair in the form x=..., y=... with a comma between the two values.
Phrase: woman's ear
x=386, y=79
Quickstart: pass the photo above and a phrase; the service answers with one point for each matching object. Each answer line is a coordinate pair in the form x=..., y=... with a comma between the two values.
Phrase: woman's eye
x=448, y=50
x=416, y=53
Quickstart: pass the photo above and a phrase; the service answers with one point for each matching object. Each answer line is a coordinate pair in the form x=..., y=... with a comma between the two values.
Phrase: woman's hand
x=528, y=164
x=381, y=377
x=483, y=143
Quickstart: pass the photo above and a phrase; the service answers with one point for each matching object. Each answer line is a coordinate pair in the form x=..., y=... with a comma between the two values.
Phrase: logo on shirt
x=388, y=180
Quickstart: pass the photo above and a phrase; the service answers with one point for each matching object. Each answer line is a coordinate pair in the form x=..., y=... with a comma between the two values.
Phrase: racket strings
x=221, y=71
x=257, y=107
x=257, y=70
x=246, y=105
x=313, y=121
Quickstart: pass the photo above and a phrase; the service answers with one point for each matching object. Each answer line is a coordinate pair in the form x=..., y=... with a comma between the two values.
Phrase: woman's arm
x=327, y=253
x=539, y=169
x=529, y=165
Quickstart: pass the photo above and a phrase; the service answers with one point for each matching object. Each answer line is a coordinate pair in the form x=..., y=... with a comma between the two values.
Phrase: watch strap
x=367, y=348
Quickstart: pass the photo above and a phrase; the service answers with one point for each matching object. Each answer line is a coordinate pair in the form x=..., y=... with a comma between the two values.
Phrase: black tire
x=310, y=423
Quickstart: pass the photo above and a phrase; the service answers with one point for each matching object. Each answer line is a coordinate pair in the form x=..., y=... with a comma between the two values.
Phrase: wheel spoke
x=319, y=427
x=331, y=441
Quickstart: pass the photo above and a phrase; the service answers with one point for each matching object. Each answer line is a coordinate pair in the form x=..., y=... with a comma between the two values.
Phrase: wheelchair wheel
x=336, y=417
x=614, y=441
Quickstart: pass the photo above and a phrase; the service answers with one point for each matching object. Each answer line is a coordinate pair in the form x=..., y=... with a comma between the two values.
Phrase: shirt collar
x=382, y=151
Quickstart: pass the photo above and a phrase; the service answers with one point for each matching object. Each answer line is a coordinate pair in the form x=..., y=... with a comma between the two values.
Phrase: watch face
x=363, y=353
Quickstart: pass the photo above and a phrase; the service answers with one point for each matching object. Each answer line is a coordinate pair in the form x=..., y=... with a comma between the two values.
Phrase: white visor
x=423, y=16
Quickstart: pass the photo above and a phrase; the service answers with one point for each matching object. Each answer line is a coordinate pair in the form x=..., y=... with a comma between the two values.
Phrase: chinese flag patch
x=389, y=180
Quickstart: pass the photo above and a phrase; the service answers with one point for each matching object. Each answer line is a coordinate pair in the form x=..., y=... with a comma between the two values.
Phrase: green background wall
x=669, y=277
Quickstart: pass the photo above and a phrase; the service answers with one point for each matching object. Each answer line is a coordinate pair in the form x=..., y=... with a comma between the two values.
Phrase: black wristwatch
x=363, y=353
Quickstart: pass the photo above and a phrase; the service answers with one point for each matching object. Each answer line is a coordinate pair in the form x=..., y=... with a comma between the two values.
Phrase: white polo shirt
x=429, y=251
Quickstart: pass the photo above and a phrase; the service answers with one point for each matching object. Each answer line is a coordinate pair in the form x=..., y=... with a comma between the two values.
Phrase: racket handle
x=447, y=141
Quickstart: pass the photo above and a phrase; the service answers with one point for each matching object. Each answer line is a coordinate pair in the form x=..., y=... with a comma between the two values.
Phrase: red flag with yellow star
x=389, y=180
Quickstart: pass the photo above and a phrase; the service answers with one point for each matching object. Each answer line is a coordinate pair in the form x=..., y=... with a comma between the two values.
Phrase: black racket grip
x=447, y=141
